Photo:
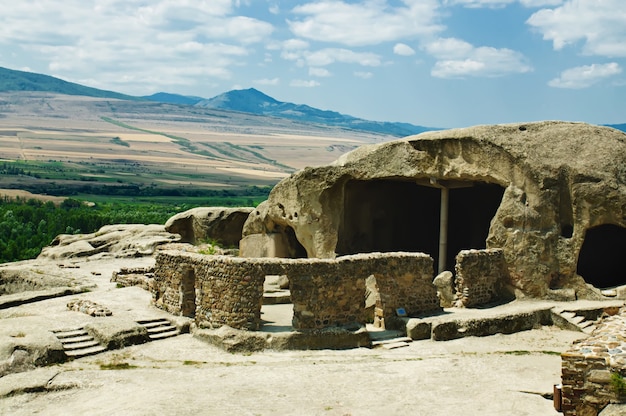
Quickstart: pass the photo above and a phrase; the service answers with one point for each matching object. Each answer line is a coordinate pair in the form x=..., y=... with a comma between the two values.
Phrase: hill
x=254, y=101
x=12, y=80
x=621, y=127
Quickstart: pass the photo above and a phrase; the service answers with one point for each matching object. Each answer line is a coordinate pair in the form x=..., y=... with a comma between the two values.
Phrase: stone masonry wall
x=229, y=292
x=325, y=292
x=405, y=280
x=588, y=367
x=480, y=275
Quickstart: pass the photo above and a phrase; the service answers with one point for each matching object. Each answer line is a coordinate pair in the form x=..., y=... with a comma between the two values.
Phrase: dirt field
x=165, y=138
x=14, y=193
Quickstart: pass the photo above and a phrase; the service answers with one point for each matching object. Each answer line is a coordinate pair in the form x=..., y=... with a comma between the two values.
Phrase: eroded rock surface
x=196, y=225
x=121, y=240
x=538, y=191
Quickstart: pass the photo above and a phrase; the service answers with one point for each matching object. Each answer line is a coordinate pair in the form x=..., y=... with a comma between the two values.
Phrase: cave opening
x=601, y=257
x=403, y=215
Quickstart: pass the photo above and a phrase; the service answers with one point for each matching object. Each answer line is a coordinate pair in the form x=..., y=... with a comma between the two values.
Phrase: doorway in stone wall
x=277, y=308
x=403, y=214
x=602, y=256
x=188, y=292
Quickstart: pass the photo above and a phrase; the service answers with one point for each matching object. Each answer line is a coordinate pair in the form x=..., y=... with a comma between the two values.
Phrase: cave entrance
x=406, y=215
x=601, y=257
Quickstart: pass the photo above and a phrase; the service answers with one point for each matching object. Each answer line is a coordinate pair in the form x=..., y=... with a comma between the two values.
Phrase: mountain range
x=246, y=101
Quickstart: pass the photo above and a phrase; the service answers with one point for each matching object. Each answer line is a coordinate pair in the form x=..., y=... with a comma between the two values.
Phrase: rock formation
x=221, y=224
x=551, y=195
x=121, y=240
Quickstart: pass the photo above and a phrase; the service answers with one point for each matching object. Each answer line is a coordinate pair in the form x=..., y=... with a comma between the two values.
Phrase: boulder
x=222, y=225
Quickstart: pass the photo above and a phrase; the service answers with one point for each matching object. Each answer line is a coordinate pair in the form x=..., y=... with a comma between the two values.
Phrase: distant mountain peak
x=251, y=100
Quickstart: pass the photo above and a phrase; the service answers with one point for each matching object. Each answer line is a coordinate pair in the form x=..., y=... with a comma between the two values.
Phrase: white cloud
x=600, y=25
x=458, y=59
x=132, y=45
x=266, y=81
x=274, y=9
x=295, y=44
x=403, y=49
x=363, y=74
x=365, y=23
x=585, y=76
x=319, y=72
x=324, y=57
x=304, y=83
x=503, y=3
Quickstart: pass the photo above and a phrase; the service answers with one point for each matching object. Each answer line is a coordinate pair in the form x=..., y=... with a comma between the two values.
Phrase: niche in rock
x=601, y=257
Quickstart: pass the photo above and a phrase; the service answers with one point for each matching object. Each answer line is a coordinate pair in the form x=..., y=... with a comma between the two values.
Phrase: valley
x=61, y=141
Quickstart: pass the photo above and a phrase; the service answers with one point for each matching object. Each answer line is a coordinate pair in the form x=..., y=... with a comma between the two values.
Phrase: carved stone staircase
x=387, y=339
x=159, y=328
x=583, y=321
x=78, y=343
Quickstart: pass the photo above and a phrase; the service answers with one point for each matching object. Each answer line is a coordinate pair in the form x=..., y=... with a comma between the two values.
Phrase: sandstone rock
x=121, y=240
x=538, y=191
x=445, y=288
x=417, y=329
x=223, y=225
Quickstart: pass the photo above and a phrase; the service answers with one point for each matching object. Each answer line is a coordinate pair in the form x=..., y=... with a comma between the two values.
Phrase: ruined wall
x=405, y=280
x=327, y=293
x=480, y=275
x=588, y=367
x=228, y=290
x=324, y=292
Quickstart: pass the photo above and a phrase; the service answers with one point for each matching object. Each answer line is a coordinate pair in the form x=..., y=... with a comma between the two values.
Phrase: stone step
x=79, y=338
x=567, y=315
x=159, y=328
x=83, y=352
x=162, y=335
x=80, y=345
x=384, y=334
x=588, y=330
x=162, y=328
x=62, y=334
x=155, y=324
x=392, y=341
x=394, y=345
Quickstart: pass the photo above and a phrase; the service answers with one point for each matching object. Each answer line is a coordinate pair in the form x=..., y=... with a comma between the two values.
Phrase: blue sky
x=443, y=63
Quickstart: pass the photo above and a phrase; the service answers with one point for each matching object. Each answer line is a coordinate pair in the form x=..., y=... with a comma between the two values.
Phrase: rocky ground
x=493, y=375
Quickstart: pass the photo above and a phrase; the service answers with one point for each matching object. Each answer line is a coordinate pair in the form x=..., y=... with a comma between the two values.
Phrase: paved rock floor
x=494, y=375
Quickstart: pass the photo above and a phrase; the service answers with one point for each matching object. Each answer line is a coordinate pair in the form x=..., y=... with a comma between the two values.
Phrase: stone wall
x=589, y=366
x=480, y=275
x=325, y=292
x=405, y=280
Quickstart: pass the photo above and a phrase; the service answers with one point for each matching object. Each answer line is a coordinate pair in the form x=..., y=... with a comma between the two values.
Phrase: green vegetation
x=619, y=384
x=26, y=226
x=117, y=366
x=117, y=140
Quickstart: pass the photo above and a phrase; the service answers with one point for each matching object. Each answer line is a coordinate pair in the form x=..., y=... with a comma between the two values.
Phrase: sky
x=437, y=63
